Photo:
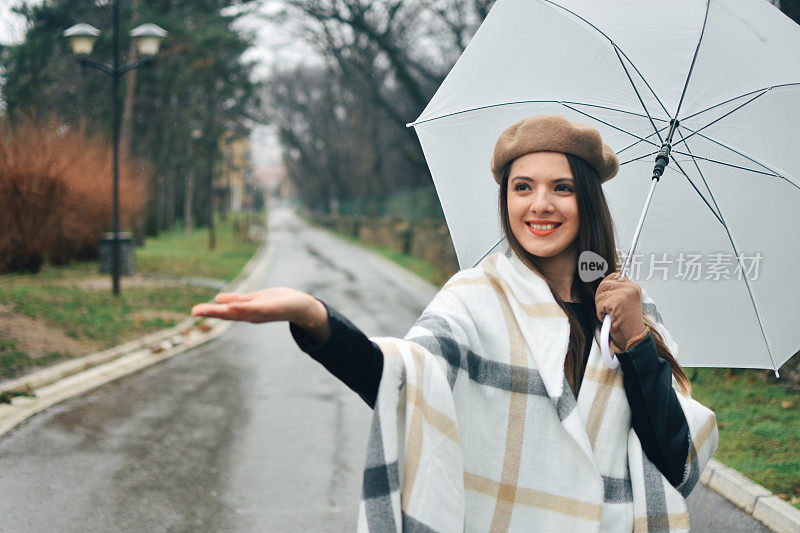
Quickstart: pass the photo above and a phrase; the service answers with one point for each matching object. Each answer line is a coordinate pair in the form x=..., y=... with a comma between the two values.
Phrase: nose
x=541, y=202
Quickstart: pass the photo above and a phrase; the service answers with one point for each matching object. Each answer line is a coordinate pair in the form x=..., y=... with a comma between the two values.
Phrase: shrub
x=56, y=194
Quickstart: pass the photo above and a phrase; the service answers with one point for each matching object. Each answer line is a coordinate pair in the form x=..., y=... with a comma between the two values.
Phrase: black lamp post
x=148, y=38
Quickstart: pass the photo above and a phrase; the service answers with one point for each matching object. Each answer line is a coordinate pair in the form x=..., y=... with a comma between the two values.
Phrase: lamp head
x=81, y=38
x=148, y=39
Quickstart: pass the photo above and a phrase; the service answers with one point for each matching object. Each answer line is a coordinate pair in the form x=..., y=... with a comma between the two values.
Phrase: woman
x=496, y=411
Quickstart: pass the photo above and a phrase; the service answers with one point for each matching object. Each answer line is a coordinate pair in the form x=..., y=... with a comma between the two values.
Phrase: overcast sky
x=12, y=27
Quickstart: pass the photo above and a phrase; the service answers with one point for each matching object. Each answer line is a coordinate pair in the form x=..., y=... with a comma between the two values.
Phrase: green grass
x=423, y=269
x=50, y=273
x=14, y=362
x=95, y=317
x=188, y=255
x=759, y=426
x=98, y=315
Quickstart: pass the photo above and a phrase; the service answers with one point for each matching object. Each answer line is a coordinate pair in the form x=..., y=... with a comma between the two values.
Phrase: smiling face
x=542, y=206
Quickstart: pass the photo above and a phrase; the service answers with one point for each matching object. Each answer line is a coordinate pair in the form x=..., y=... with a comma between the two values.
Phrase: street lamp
x=148, y=38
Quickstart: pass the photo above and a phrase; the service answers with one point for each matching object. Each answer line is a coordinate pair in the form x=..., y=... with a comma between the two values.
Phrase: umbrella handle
x=611, y=361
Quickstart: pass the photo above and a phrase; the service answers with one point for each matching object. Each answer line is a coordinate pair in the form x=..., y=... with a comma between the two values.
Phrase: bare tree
x=385, y=59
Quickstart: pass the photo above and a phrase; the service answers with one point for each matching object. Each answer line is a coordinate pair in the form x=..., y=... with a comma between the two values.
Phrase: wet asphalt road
x=246, y=433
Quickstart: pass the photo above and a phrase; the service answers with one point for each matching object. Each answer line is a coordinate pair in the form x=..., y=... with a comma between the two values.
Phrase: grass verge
x=759, y=426
x=179, y=254
x=68, y=311
x=423, y=269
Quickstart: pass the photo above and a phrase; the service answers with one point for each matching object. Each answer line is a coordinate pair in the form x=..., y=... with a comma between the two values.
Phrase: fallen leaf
x=787, y=404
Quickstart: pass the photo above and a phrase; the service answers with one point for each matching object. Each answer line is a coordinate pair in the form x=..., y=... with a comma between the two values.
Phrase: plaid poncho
x=476, y=428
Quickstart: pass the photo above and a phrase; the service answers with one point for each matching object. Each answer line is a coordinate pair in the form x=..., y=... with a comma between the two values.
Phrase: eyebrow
x=557, y=180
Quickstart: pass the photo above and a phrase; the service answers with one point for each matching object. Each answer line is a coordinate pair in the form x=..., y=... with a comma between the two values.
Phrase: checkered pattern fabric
x=476, y=428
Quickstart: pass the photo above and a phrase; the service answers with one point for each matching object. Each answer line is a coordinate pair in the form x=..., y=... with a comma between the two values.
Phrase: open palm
x=267, y=305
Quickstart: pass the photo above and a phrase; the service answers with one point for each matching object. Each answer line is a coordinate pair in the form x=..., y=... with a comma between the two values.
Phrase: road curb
x=751, y=497
x=49, y=386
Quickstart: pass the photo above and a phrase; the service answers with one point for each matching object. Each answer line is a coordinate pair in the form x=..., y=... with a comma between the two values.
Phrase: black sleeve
x=657, y=417
x=347, y=354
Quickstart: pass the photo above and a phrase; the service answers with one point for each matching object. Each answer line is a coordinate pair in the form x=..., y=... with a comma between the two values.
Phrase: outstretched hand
x=270, y=305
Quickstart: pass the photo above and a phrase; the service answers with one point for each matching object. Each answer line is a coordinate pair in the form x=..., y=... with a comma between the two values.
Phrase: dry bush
x=56, y=194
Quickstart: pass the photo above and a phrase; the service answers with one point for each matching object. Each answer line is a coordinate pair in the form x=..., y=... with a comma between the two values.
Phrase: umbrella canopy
x=719, y=252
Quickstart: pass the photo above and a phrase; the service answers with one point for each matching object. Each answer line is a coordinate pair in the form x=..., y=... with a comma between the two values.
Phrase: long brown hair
x=596, y=233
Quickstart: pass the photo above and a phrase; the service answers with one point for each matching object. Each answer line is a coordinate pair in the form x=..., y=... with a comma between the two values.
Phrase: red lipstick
x=542, y=232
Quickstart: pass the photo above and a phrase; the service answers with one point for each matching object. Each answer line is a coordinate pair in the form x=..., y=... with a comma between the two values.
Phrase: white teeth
x=543, y=227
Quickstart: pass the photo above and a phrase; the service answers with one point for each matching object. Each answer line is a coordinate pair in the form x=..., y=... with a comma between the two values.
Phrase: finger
x=603, y=309
x=256, y=312
x=599, y=305
x=604, y=287
x=605, y=299
x=228, y=297
x=607, y=284
x=212, y=311
x=607, y=304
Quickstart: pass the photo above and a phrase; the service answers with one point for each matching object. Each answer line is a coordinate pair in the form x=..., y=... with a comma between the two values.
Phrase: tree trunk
x=171, y=185
x=187, y=204
x=126, y=127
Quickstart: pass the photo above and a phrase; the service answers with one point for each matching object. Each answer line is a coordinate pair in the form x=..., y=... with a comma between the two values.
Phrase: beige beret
x=554, y=133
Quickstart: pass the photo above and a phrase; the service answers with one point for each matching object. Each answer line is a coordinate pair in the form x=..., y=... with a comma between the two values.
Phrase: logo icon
x=591, y=266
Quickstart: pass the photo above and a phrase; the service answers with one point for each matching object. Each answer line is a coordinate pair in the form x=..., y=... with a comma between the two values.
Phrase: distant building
x=274, y=180
x=235, y=184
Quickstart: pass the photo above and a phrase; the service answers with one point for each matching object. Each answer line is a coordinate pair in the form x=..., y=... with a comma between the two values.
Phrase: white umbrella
x=729, y=72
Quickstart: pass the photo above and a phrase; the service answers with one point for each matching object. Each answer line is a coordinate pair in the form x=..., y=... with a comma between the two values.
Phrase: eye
x=521, y=186
x=565, y=187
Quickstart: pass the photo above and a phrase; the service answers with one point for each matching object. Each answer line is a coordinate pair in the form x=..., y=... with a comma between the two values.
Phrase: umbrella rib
x=489, y=106
x=492, y=247
x=638, y=158
x=636, y=90
x=729, y=100
x=737, y=108
x=739, y=261
x=771, y=174
x=694, y=60
x=686, y=175
x=637, y=142
x=612, y=109
x=608, y=124
x=601, y=32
